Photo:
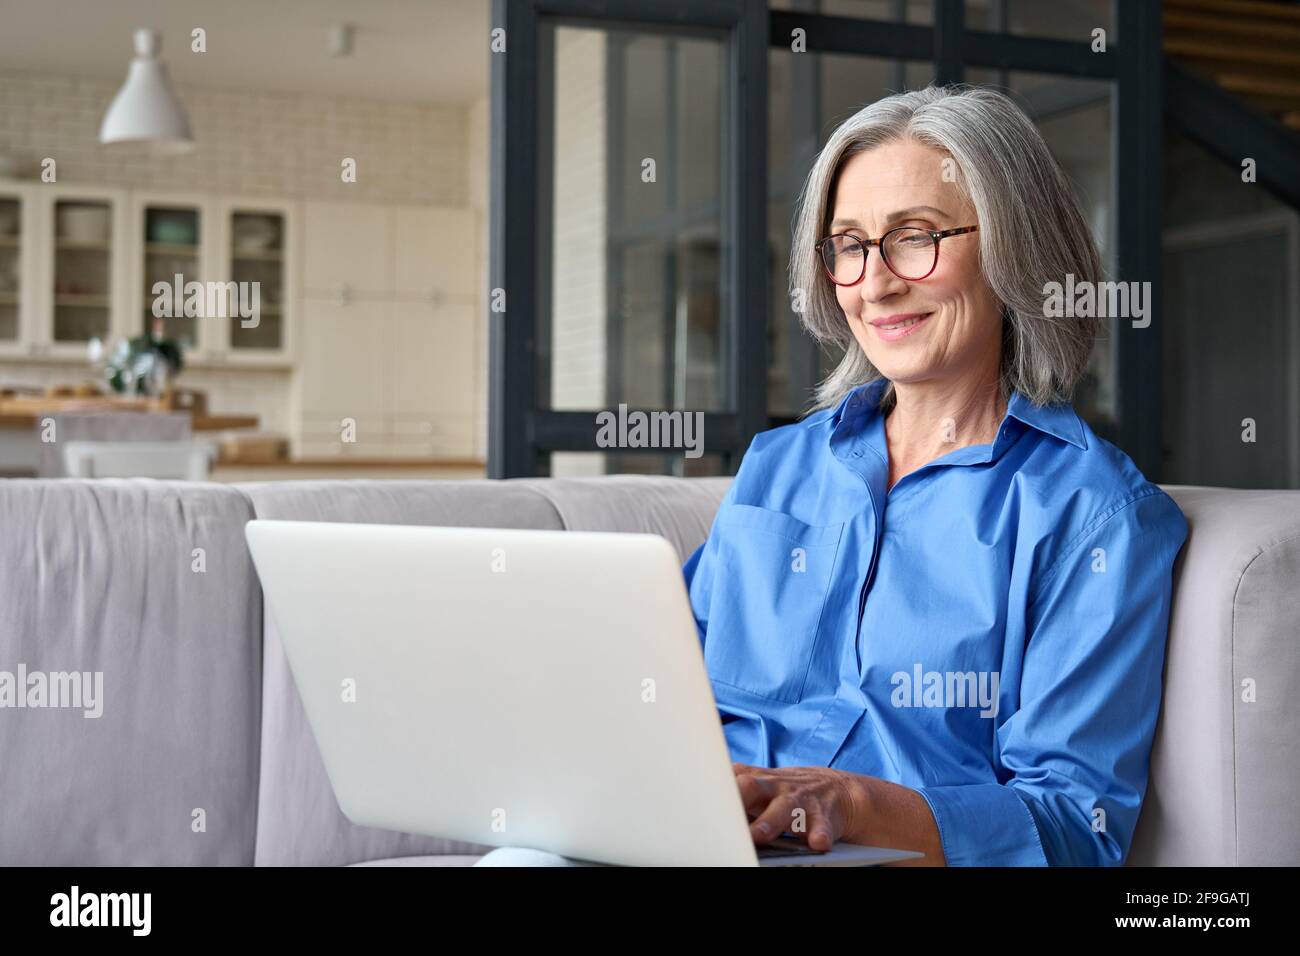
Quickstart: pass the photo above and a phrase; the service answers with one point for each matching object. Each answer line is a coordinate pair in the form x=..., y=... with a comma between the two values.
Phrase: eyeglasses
x=909, y=252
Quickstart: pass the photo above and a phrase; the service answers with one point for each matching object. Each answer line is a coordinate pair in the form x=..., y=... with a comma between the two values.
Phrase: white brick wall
x=578, y=310
x=578, y=354
x=287, y=145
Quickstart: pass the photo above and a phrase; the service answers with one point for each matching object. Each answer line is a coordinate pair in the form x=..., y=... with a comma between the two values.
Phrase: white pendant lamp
x=146, y=109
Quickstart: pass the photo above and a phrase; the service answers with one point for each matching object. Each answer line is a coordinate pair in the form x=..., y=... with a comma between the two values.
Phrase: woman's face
x=959, y=339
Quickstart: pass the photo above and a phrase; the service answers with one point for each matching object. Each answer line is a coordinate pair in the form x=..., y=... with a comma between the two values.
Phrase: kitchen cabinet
x=80, y=262
x=81, y=279
x=348, y=249
x=434, y=253
x=258, y=239
x=431, y=379
x=401, y=371
x=17, y=267
x=170, y=240
x=389, y=332
x=242, y=251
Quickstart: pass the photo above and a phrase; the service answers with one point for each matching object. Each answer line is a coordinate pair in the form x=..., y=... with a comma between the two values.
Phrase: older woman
x=934, y=611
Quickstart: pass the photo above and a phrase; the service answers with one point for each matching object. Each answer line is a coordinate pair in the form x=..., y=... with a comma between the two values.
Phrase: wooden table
x=24, y=411
x=19, y=415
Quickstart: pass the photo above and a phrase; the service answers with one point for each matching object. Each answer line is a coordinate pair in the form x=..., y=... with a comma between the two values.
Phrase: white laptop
x=541, y=689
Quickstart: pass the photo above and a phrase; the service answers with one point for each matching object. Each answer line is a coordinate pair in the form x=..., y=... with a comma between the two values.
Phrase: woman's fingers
x=821, y=829
x=805, y=816
x=778, y=803
x=755, y=790
x=775, y=818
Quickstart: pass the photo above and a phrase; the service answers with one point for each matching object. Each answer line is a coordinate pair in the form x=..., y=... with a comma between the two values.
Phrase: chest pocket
x=769, y=594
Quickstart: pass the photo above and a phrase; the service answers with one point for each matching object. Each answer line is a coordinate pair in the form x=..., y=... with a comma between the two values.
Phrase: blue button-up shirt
x=990, y=631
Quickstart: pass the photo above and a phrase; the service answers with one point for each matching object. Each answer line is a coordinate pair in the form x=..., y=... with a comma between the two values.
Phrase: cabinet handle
x=344, y=294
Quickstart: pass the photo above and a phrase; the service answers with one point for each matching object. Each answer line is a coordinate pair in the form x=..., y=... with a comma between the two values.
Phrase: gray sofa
x=202, y=754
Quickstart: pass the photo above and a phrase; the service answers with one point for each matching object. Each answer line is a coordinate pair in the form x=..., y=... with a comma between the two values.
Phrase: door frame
x=519, y=221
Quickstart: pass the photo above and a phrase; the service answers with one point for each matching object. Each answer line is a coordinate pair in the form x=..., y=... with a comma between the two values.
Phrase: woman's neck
x=927, y=421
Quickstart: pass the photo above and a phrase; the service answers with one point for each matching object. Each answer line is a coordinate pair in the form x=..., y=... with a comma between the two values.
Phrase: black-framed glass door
x=628, y=155
x=661, y=286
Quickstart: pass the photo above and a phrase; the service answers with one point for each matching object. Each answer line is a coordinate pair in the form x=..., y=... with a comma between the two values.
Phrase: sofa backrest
x=1225, y=768
x=149, y=586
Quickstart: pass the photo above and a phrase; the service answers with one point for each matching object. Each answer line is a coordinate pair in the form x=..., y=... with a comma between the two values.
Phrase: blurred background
x=380, y=168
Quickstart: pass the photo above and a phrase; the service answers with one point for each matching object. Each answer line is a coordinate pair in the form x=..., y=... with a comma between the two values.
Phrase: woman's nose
x=877, y=281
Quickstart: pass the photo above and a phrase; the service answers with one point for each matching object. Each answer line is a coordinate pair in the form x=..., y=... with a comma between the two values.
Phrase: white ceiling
x=426, y=51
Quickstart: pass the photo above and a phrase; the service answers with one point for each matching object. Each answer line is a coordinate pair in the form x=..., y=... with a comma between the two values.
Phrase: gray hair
x=1032, y=232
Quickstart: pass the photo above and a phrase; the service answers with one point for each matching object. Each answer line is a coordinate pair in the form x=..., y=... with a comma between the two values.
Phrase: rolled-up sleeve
x=1075, y=752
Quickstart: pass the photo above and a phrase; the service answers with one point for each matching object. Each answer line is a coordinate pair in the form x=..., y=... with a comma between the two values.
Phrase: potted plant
x=144, y=365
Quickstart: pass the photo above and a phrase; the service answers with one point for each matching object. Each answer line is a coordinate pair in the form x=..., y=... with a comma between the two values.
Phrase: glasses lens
x=843, y=258
x=911, y=253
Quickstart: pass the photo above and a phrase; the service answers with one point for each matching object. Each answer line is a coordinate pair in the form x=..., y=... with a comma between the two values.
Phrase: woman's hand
x=817, y=804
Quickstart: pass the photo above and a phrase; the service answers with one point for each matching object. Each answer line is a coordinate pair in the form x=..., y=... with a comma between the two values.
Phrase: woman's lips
x=904, y=326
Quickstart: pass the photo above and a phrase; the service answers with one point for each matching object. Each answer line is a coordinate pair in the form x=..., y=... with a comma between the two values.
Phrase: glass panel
x=810, y=94
x=1058, y=20
x=171, y=256
x=575, y=464
x=1216, y=377
x=920, y=12
x=257, y=256
x=1075, y=117
x=636, y=312
x=1230, y=250
x=11, y=224
x=82, y=269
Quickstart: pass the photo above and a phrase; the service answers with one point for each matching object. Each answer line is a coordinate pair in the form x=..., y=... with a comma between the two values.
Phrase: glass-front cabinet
x=169, y=237
x=17, y=226
x=216, y=271
x=258, y=249
x=84, y=263
x=83, y=251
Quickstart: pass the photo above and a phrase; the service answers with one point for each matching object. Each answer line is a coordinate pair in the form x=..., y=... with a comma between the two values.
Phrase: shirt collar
x=1058, y=420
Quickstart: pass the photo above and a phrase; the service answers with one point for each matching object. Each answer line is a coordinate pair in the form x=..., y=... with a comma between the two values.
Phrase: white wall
x=478, y=157
x=578, y=352
x=578, y=307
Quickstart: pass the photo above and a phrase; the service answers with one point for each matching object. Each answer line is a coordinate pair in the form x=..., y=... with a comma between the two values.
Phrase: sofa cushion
x=107, y=577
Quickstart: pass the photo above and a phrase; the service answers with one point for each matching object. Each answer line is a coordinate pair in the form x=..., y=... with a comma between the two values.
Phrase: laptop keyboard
x=785, y=846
